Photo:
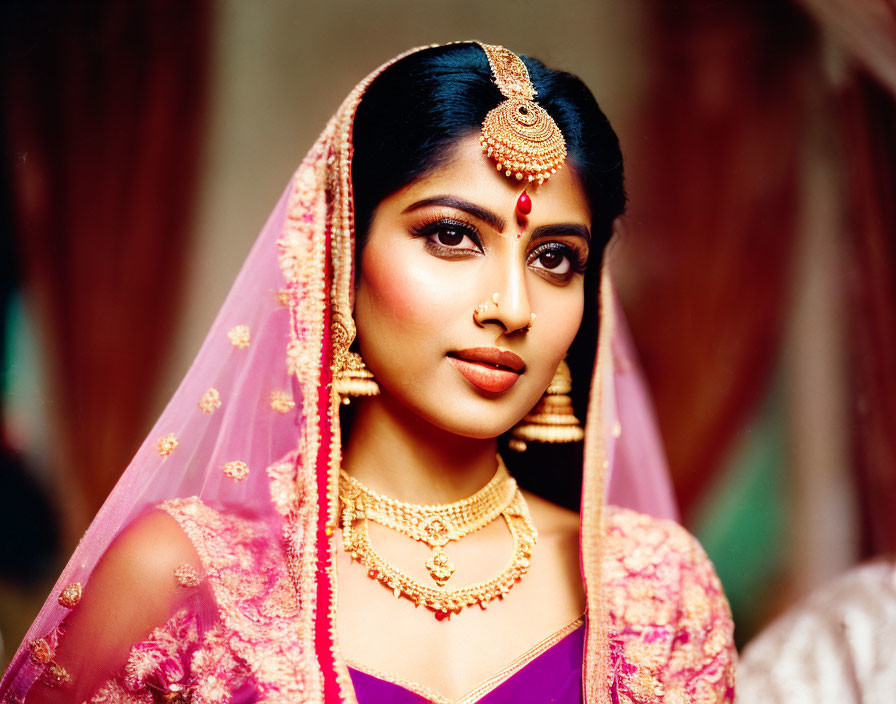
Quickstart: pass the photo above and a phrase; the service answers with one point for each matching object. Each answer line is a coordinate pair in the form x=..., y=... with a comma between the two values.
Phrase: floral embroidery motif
x=167, y=444
x=210, y=401
x=281, y=401
x=239, y=336
x=284, y=297
x=178, y=664
x=70, y=596
x=259, y=615
x=237, y=470
x=41, y=651
x=671, y=634
x=187, y=576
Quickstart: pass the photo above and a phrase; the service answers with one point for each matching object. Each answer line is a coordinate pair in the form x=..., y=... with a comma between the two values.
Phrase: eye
x=557, y=261
x=449, y=237
x=554, y=260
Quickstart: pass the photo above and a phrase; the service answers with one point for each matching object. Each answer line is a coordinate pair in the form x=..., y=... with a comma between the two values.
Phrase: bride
x=370, y=486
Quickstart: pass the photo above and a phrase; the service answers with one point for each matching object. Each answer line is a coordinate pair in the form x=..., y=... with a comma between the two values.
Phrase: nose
x=508, y=304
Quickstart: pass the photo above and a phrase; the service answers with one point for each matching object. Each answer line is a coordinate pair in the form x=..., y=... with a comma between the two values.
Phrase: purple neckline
x=552, y=676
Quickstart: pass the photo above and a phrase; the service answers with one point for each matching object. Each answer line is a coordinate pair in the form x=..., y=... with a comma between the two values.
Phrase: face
x=448, y=243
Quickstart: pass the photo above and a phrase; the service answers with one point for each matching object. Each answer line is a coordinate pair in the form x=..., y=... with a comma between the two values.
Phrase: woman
x=261, y=547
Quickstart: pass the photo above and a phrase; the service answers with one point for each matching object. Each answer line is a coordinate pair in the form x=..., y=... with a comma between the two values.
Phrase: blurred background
x=144, y=144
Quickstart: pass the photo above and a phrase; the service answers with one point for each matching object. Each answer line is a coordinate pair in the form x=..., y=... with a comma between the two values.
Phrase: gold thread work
x=210, y=401
x=237, y=470
x=187, y=576
x=167, y=444
x=70, y=596
x=239, y=336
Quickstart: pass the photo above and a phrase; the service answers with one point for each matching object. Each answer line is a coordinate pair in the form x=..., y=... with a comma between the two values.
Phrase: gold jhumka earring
x=552, y=419
x=351, y=377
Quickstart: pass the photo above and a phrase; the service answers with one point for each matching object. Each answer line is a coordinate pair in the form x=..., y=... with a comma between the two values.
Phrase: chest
x=379, y=633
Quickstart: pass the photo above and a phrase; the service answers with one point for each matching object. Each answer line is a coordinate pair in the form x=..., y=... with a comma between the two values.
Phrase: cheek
x=401, y=297
x=559, y=316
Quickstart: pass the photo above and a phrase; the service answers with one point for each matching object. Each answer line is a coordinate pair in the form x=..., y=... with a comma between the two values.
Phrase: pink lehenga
x=238, y=481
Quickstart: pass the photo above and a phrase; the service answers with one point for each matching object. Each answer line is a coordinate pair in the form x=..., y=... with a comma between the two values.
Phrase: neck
x=394, y=451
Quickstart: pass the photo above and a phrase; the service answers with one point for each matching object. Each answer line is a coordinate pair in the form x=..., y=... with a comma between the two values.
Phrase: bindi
x=523, y=208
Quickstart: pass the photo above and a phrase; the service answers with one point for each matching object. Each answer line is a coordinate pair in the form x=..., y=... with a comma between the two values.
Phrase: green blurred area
x=741, y=521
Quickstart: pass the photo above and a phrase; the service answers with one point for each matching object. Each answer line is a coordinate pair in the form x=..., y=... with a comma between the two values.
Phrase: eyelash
x=578, y=261
x=432, y=225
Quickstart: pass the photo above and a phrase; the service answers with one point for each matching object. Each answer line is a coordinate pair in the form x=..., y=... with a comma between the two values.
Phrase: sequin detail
x=167, y=444
x=70, y=596
x=281, y=401
x=187, y=576
x=239, y=336
x=237, y=470
x=210, y=401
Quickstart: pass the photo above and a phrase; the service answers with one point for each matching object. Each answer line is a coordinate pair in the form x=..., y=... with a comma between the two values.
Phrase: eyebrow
x=497, y=222
x=487, y=216
x=564, y=230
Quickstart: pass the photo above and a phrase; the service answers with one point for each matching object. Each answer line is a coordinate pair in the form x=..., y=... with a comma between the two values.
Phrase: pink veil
x=253, y=432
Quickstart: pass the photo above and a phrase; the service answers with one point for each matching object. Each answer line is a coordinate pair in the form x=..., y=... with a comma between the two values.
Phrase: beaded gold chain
x=436, y=526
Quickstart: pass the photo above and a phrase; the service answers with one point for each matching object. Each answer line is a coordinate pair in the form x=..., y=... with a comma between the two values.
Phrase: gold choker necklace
x=436, y=526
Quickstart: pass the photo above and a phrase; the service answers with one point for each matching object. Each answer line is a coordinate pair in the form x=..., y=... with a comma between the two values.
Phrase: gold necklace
x=436, y=526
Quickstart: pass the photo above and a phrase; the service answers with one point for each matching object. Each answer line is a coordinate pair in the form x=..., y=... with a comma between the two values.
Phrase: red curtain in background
x=869, y=128
x=713, y=178
x=103, y=104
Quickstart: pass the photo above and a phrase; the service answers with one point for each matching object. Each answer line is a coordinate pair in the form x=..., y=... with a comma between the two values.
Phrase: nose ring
x=483, y=307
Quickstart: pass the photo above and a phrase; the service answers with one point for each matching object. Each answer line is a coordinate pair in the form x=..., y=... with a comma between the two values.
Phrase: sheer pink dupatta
x=639, y=475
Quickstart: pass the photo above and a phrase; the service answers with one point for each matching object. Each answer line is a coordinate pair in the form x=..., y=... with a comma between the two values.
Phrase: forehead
x=468, y=173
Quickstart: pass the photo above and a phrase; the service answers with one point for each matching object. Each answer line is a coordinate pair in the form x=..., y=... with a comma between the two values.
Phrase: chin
x=471, y=416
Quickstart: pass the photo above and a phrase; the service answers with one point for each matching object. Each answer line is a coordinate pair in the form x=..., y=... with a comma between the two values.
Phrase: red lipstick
x=488, y=368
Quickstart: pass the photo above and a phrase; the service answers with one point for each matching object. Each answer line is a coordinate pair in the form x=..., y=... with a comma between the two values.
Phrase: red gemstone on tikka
x=524, y=204
x=372, y=573
x=442, y=615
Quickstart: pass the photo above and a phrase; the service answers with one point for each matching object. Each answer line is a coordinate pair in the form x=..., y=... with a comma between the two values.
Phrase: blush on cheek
x=401, y=286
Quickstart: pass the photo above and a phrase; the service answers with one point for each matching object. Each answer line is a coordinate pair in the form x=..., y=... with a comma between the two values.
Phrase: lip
x=488, y=368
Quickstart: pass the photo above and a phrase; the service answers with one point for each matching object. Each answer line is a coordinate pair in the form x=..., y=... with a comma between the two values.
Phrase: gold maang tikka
x=519, y=134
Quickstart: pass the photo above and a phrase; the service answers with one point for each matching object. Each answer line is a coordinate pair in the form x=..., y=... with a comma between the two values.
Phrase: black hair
x=409, y=119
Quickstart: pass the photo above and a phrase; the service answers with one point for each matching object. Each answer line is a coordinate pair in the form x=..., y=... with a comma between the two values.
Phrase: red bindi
x=524, y=204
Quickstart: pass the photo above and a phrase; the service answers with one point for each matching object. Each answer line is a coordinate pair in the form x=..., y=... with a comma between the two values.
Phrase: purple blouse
x=552, y=677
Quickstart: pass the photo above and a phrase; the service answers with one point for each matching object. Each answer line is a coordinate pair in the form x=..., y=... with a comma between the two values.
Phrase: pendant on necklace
x=440, y=567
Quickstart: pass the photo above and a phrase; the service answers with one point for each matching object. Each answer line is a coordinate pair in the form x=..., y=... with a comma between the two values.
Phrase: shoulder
x=550, y=519
x=636, y=542
x=148, y=556
x=665, y=559
x=670, y=619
